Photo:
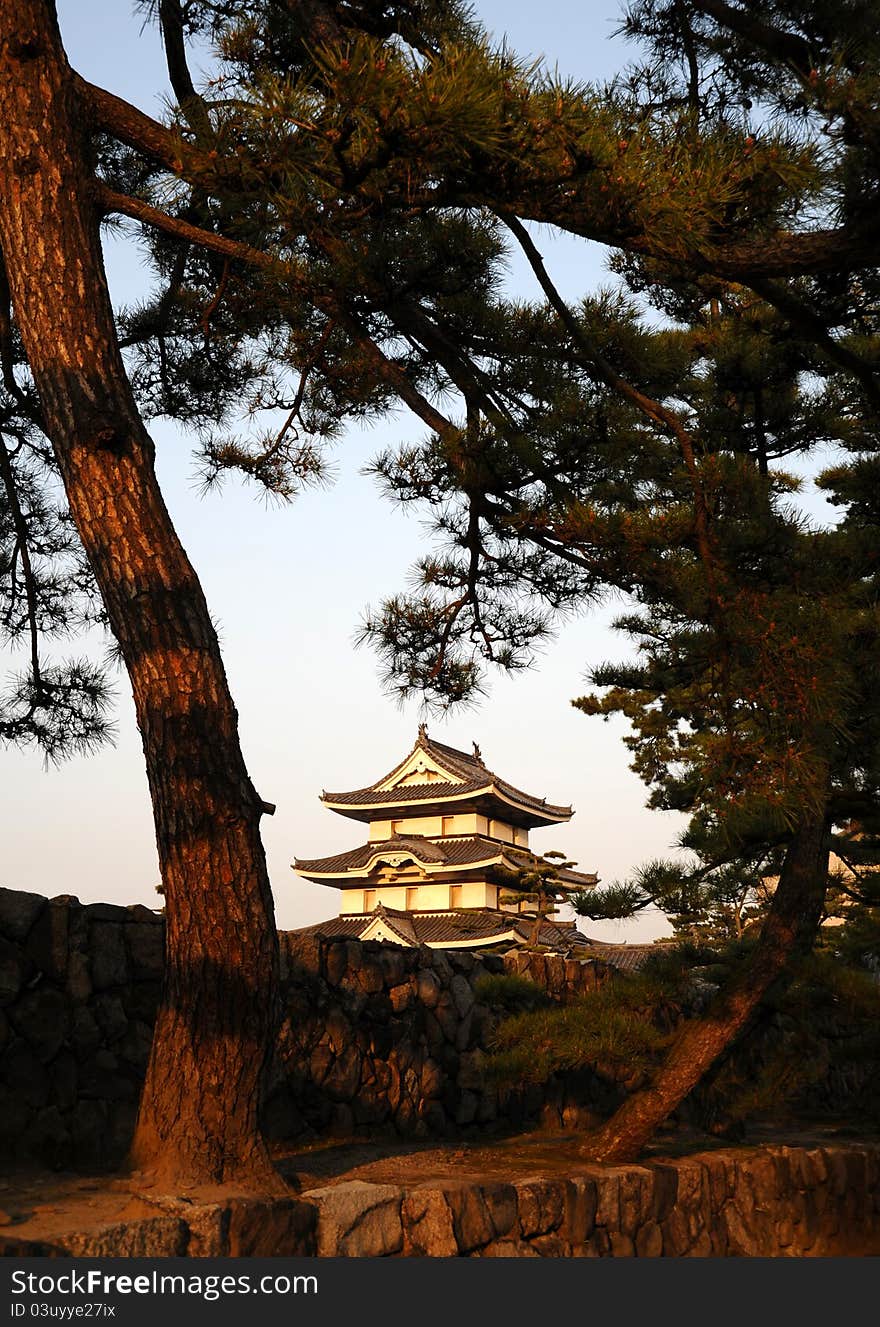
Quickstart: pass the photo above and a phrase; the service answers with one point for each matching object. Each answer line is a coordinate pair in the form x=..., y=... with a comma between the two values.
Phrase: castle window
x=396, y=826
x=456, y=896
x=369, y=900
x=448, y=824
x=412, y=896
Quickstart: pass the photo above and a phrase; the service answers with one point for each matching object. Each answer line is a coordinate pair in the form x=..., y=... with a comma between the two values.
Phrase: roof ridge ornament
x=423, y=732
x=478, y=755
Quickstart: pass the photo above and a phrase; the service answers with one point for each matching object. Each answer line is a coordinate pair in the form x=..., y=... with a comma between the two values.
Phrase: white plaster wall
x=432, y=826
x=429, y=826
x=422, y=897
x=498, y=830
x=474, y=894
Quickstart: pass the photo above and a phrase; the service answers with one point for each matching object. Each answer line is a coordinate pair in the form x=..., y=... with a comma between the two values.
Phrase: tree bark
x=788, y=931
x=198, y=1120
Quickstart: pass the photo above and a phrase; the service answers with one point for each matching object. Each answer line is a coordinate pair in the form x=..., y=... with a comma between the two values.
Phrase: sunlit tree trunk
x=199, y=1110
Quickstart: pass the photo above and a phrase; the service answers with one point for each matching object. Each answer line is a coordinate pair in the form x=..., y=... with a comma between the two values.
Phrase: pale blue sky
x=287, y=587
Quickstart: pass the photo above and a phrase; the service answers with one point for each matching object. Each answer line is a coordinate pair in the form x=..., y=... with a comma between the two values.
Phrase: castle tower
x=445, y=838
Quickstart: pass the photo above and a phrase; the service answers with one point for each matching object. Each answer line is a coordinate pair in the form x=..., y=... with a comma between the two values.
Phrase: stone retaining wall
x=768, y=1202
x=374, y=1037
x=377, y=1036
x=771, y=1202
x=79, y=986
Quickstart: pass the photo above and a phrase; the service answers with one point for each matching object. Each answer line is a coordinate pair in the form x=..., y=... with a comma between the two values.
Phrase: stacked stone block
x=79, y=986
x=769, y=1202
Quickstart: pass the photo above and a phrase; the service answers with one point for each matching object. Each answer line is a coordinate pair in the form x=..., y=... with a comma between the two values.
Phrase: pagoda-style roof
x=434, y=778
x=457, y=928
x=477, y=928
x=437, y=857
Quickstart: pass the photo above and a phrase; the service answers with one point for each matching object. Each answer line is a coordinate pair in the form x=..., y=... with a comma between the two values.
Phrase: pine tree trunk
x=198, y=1118
x=788, y=931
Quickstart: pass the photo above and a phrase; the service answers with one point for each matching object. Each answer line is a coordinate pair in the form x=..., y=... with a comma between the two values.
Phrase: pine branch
x=214, y=303
x=786, y=47
x=7, y=474
x=290, y=275
x=687, y=41
x=132, y=127
x=782, y=298
x=29, y=408
x=596, y=362
x=192, y=105
x=111, y=201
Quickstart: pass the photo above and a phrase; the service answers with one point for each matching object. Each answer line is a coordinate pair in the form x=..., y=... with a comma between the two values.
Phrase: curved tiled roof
x=628, y=958
x=476, y=926
x=465, y=850
x=451, y=852
x=475, y=779
x=356, y=859
x=411, y=792
x=466, y=766
x=483, y=927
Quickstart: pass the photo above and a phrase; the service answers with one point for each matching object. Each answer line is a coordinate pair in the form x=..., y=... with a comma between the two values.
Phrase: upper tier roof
x=434, y=777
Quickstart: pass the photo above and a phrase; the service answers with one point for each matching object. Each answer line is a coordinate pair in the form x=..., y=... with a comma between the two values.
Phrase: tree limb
x=782, y=298
x=21, y=534
x=126, y=123
x=596, y=363
x=138, y=210
x=785, y=46
x=192, y=105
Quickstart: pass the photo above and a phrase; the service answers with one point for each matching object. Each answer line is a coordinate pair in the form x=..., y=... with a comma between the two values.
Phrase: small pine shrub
x=511, y=992
x=622, y=1027
x=853, y=991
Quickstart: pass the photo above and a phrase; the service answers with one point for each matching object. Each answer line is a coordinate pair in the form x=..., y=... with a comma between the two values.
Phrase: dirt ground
x=41, y=1205
x=506, y=1158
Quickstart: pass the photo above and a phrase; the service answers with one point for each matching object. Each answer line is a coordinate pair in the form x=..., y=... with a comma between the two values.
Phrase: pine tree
x=329, y=219
x=263, y=299
x=752, y=700
x=539, y=887
x=708, y=904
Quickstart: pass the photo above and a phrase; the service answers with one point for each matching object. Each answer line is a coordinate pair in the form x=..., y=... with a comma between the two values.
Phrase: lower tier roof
x=477, y=928
x=456, y=928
